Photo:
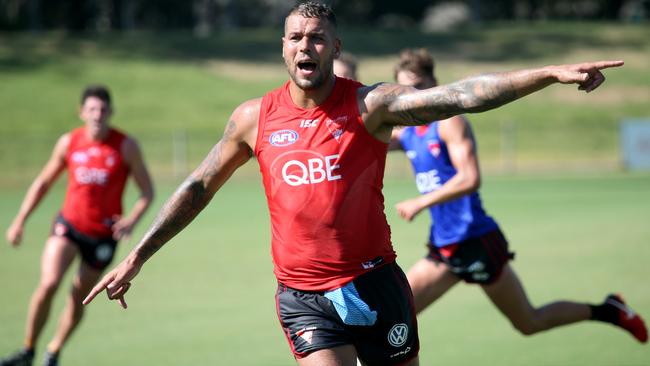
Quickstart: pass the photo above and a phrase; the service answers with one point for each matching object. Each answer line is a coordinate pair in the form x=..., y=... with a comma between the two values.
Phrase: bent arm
x=399, y=105
x=457, y=134
x=38, y=189
x=195, y=192
x=140, y=174
x=233, y=150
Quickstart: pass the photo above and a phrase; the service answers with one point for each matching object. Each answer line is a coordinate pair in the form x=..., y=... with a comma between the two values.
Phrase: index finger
x=99, y=287
x=607, y=64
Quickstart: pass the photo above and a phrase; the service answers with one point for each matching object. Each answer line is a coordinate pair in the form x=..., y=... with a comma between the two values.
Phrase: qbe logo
x=84, y=175
x=311, y=171
x=398, y=335
x=427, y=181
x=283, y=137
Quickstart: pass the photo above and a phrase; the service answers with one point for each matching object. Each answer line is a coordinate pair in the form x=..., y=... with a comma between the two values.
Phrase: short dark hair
x=98, y=91
x=314, y=9
x=417, y=61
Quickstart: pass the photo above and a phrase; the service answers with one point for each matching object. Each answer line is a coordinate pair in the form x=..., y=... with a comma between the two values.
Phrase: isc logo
x=283, y=137
x=306, y=123
x=314, y=170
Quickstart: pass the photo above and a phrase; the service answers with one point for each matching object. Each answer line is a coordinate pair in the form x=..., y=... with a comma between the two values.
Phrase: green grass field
x=579, y=224
x=207, y=297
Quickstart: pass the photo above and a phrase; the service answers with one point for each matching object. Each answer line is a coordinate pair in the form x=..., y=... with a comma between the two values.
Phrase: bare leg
x=57, y=257
x=509, y=296
x=429, y=280
x=73, y=312
x=339, y=356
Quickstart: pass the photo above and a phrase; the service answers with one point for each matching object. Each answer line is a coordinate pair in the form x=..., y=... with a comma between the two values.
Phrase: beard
x=308, y=84
x=315, y=81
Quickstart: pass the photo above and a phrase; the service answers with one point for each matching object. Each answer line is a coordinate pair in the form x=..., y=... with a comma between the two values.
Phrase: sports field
x=579, y=224
x=207, y=298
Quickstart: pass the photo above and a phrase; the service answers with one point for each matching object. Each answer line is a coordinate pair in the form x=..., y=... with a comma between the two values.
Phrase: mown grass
x=207, y=297
x=168, y=84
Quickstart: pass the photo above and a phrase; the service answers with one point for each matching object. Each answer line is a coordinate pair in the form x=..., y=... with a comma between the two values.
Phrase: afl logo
x=398, y=335
x=283, y=137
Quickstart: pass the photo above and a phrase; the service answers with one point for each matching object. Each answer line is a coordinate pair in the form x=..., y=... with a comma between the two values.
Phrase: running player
x=464, y=242
x=98, y=159
x=321, y=144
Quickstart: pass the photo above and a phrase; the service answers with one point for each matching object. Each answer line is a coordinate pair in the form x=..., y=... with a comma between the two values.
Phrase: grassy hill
x=173, y=84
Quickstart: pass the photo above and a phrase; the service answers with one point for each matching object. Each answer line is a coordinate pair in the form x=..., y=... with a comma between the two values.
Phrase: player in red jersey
x=321, y=143
x=98, y=160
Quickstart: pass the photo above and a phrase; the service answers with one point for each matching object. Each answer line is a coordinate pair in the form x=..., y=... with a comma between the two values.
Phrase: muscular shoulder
x=130, y=147
x=379, y=102
x=247, y=113
x=455, y=128
x=62, y=144
x=242, y=126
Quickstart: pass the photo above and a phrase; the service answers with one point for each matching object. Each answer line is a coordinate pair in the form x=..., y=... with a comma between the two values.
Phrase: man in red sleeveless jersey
x=98, y=159
x=321, y=144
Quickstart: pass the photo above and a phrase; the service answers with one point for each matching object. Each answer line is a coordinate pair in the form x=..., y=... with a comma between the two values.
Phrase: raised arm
x=390, y=104
x=457, y=134
x=38, y=189
x=233, y=150
x=123, y=227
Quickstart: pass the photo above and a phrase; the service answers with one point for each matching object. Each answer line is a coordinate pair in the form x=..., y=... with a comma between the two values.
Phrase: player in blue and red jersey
x=464, y=242
x=321, y=144
x=98, y=160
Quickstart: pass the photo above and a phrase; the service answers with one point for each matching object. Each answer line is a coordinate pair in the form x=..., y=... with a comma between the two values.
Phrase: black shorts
x=476, y=260
x=378, y=311
x=96, y=252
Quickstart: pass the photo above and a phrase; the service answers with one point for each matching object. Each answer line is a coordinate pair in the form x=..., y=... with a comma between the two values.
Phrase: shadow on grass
x=489, y=42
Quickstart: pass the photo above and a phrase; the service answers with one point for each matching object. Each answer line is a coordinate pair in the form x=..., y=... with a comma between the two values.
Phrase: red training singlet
x=323, y=173
x=96, y=178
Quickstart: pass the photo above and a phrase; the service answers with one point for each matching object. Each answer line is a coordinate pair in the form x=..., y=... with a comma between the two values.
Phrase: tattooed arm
x=233, y=150
x=390, y=104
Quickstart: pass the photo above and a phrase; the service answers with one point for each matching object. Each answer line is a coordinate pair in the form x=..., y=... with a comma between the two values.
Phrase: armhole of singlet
x=261, y=122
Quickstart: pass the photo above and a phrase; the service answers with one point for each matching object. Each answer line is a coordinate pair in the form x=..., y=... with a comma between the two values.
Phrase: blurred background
x=566, y=173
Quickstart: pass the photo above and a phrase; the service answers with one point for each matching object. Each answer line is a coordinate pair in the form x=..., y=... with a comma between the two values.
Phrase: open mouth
x=307, y=66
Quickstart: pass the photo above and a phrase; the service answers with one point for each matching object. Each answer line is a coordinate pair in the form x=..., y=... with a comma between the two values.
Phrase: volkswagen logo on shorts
x=104, y=252
x=398, y=335
x=283, y=137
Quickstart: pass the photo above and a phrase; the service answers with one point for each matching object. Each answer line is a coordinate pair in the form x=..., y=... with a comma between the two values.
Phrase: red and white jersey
x=96, y=178
x=323, y=174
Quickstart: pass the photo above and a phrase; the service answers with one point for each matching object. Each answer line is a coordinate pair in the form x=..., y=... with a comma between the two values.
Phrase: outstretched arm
x=123, y=227
x=456, y=132
x=38, y=189
x=399, y=105
x=233, y=150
